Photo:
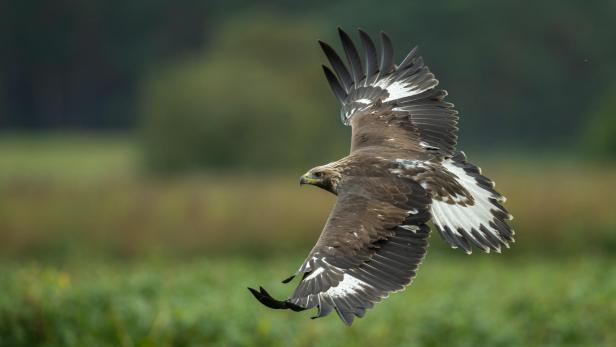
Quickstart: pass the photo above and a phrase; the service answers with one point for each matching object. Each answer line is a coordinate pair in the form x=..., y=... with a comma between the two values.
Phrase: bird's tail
x=477, y=218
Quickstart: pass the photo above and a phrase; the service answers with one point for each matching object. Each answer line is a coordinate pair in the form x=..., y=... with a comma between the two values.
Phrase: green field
x=94, y=252
x=469, y=301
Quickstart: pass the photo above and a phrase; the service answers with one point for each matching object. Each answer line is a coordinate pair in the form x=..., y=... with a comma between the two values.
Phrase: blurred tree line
x=255, y=99
x=236, y=84
x=75, y=64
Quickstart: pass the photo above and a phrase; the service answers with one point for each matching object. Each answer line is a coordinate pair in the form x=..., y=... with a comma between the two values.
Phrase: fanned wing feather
x=466, y=209
x=476, y=219
x=406, y=92
x=408, y=60
x=387, y=56
x=370, y=56
x=353, y=57
x=338, y=65
x=334, y=84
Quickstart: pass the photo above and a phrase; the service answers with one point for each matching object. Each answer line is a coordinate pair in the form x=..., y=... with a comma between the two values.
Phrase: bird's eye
x=317, y=174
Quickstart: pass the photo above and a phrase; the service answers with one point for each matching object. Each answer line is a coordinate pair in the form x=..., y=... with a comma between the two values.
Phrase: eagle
x=403, y=170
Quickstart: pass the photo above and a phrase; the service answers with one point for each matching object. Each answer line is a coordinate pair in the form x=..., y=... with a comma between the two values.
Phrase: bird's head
x=325, y=177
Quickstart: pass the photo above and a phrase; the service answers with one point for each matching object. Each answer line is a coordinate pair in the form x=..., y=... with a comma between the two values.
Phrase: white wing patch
x=400, y=89
x=348, y=285
x=471, y=219
x=314, y=274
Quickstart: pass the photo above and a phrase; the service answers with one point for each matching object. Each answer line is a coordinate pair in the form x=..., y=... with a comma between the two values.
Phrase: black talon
x=266, y=299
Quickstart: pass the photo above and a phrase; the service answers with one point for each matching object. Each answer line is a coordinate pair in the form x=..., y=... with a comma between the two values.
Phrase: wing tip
x=384, y=35
x=334, y=84
x=288, y=279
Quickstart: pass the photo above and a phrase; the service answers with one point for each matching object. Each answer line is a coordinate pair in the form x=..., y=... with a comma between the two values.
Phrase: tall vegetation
x=600, y=139
x=255, y=98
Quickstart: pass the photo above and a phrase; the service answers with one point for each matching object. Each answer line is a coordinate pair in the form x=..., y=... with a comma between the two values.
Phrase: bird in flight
x=402, y=171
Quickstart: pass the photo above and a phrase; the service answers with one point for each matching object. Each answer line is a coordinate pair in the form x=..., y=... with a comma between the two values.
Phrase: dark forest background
x=529, y=76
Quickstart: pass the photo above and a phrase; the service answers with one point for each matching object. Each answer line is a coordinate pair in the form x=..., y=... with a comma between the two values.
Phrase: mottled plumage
x=402, y=171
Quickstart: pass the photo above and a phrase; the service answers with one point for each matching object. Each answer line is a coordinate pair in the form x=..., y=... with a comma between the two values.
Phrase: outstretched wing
x=400, y=98
x=371, y=245
x=466, y=210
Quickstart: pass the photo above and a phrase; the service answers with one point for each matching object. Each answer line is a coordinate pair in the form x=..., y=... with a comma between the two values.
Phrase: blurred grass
x=66, y=196
x=65, y=156
x=471, y=301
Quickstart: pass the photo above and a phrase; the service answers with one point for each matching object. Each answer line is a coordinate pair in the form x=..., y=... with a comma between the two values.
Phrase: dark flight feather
x=352, y=56
x=334, y=84
x=409, y=59
x=338, y=65
x=387, y=56
x=370, y=55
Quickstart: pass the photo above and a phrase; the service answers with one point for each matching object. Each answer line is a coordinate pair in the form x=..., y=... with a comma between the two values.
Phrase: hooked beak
x=307, y=179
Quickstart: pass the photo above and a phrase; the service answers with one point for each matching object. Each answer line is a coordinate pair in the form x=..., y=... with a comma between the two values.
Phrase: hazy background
x=150, y=151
